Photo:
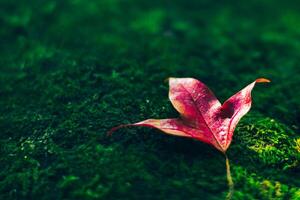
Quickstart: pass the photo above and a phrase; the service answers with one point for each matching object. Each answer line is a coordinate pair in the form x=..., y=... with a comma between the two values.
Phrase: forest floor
x=70, y=70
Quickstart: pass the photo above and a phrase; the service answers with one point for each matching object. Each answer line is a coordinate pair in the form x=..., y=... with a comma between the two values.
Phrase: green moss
x=252, y=186
x=149, y=22
x=71, y=70
x=272, y=142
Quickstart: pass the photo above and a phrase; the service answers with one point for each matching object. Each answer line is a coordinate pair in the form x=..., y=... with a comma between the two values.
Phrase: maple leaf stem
x=229, y=179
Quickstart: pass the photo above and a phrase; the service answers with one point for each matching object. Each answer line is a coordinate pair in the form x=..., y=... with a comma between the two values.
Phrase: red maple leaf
x=202, y=116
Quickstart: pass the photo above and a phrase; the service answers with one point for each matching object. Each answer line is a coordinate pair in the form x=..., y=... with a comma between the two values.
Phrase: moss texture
x=70, y=70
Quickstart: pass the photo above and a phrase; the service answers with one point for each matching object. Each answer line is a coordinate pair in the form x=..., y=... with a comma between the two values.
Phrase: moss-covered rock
x=71, y=70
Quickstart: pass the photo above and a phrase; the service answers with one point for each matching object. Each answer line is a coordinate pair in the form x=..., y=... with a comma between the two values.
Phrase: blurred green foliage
x=70, y=70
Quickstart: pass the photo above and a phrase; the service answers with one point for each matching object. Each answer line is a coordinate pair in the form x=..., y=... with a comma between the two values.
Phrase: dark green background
x=70, y=70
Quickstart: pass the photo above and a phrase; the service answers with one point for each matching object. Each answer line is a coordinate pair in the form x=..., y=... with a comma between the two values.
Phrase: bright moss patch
x=273, y=142
x=71, y=70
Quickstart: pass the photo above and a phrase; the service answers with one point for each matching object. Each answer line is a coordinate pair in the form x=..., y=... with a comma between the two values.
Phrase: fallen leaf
x=202, y=116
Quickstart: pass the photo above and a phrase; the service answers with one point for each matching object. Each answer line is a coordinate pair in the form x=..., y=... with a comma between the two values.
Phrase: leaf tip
x=110, y=132
x=168, y=79
x=262, y=80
